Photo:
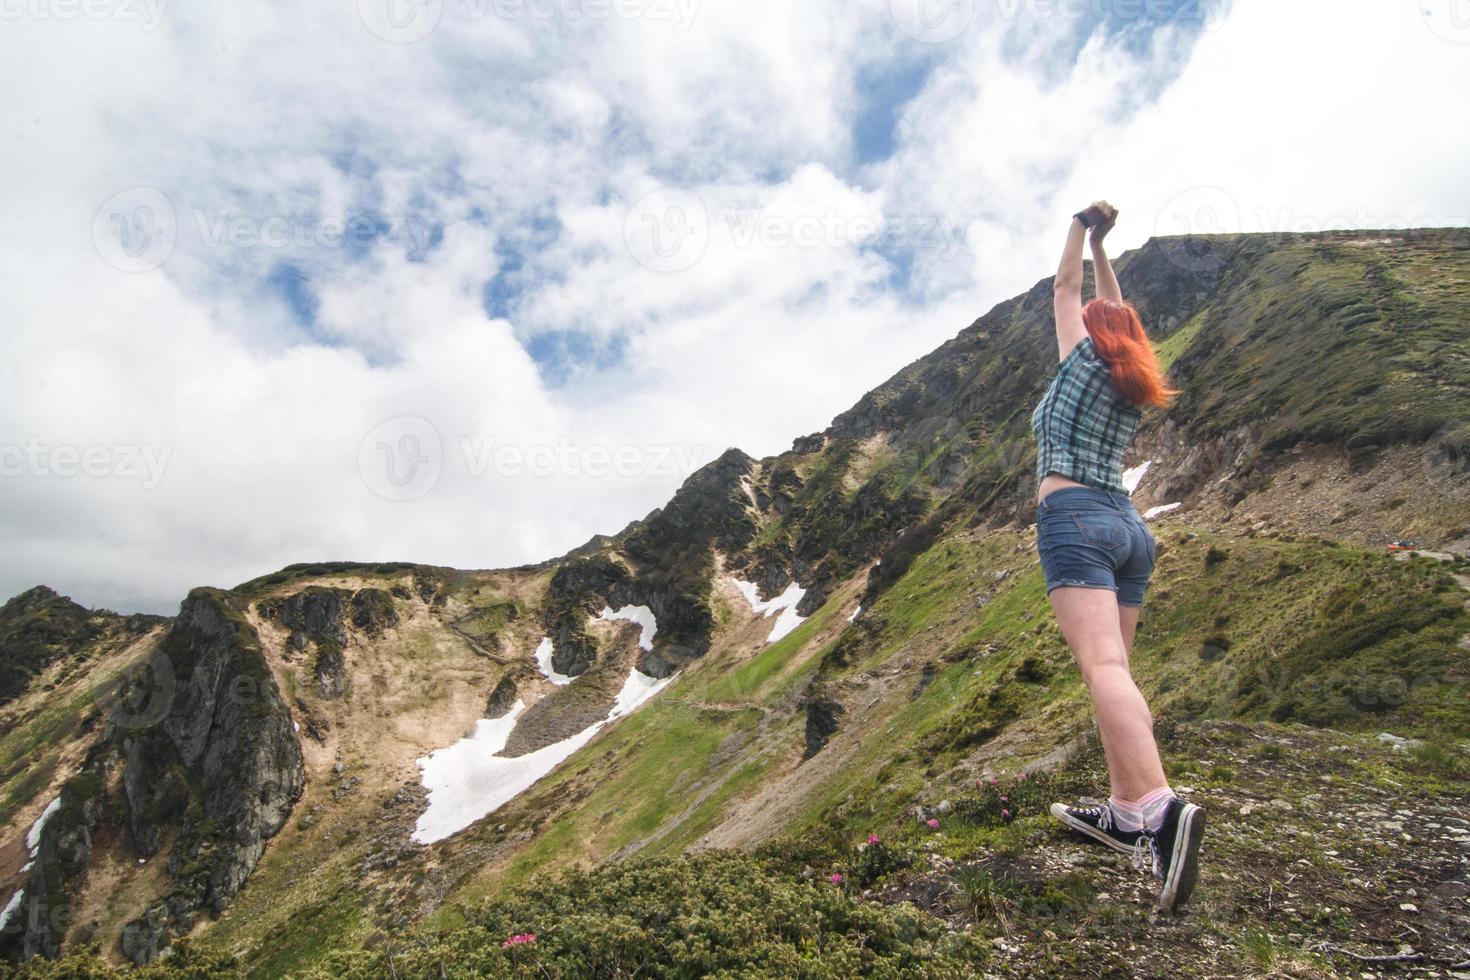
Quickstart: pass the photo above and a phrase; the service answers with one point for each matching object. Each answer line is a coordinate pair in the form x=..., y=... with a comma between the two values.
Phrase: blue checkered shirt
x=1083, y=425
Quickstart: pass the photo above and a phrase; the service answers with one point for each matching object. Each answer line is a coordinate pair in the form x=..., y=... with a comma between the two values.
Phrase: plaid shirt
x=1082, y=424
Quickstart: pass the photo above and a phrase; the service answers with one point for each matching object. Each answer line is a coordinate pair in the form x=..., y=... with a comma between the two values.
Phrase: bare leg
x=1092, y=623
x=1128, y=620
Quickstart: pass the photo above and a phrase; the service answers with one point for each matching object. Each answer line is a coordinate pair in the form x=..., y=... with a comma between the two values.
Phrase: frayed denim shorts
x=1095, y=539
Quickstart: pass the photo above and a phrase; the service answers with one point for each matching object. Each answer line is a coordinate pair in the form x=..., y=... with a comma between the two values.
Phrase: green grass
x=1168, y=350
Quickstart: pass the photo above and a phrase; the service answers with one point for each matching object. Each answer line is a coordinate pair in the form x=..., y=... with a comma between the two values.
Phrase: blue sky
x=270, y=246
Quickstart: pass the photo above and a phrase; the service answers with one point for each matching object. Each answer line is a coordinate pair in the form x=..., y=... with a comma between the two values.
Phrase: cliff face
x=221, y=769
x=197, y=758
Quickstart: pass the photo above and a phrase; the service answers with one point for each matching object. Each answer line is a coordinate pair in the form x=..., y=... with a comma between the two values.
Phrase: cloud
x=304, y=269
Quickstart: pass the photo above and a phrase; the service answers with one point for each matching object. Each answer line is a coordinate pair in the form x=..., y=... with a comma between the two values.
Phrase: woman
x=1098, y=555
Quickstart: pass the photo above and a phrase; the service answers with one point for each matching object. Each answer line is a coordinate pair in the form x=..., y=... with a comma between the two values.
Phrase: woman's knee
x=1102, y=662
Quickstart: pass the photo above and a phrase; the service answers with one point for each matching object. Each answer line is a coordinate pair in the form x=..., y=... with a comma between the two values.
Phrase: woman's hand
x=1101, y=217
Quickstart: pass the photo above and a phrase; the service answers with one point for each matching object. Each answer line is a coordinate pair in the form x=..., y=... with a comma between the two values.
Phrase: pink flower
x=1005, y=799
x=992, y=780
x=873, y=838
x=836, y=878
x=1021, y=776
x=1006, y=814
x=933, y=823
x=519, y=939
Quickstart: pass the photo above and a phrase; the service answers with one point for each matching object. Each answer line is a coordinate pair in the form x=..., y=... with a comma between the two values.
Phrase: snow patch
x=544, y=650
x=10, y=908
x=855, y=613
x=1132, y=478
x=1153, y=512
x=33, y=836
x=470, y=780
x=785, y=604
x=641, y=615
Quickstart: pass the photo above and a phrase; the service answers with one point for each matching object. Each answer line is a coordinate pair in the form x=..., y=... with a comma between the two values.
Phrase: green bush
x=711, y=915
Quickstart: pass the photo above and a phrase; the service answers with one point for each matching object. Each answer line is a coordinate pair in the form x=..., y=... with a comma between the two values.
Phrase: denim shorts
x=1096, y=539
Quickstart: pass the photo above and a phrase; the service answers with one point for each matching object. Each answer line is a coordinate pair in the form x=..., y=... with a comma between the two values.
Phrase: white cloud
x=261, y=120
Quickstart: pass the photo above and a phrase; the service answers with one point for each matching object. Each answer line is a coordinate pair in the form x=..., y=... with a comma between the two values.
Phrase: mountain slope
x=1326, y=411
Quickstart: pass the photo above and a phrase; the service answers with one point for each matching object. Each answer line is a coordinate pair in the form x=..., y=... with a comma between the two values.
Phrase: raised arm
x=1102, y=269
x=1067, y=292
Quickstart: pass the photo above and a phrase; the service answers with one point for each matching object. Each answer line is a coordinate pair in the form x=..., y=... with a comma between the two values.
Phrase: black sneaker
x=1175, y=848
x=1096, y=821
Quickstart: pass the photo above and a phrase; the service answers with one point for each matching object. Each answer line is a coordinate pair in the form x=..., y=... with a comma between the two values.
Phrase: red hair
x=1118, y=336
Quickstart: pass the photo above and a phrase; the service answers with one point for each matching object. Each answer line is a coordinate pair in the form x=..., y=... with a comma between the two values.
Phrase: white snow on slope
x=641, y=615
x=785, y=604
x=1153, y=512
x=1132, y=478
x=33, y=836
x=544, y=650
x=855, y=613
x=10, y=908
x=470, y=779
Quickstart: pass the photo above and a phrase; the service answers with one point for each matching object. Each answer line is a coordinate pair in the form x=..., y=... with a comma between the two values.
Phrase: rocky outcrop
x=62, y=855
x=314, y=614
x=373, y=611
x=319, y=616
x=39, y=627
x=823, y=715
x=507, y=691
x=218, y=773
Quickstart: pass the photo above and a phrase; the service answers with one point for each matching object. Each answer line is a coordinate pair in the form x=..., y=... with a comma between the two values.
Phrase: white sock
x=1154, y=804
x=1126, y=814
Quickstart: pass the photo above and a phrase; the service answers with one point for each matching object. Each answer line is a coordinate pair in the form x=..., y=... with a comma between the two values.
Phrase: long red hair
x=1118, y=336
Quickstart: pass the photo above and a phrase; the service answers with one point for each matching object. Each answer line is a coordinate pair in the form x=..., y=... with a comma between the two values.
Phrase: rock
x=222, y=768
x=1398, y=744
x=373, y=611
x=823, y=713
x=62, y=855
x=146, y=936
x=328, y=670
x=315, y=613
x=503, y=698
